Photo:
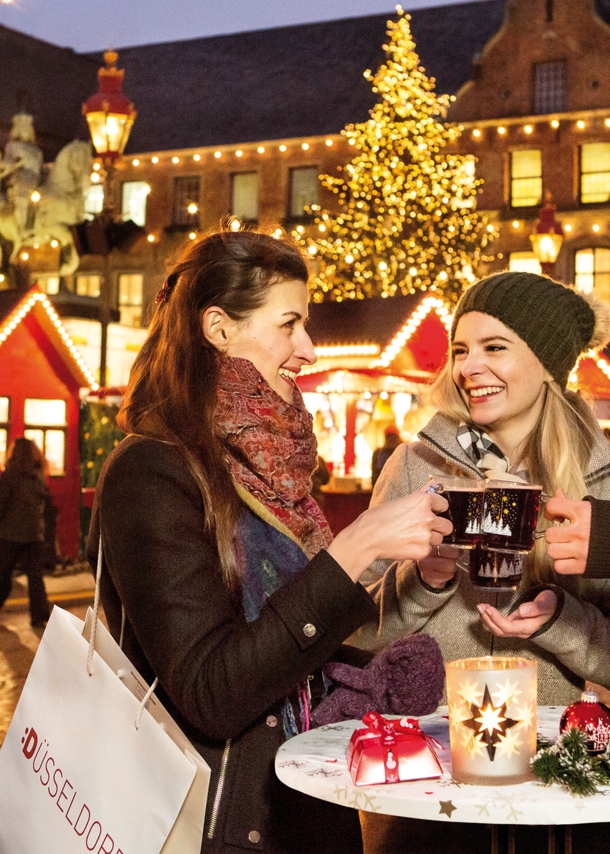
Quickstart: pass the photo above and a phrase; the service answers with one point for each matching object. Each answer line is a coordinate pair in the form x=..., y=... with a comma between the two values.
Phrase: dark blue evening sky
x=88, y=25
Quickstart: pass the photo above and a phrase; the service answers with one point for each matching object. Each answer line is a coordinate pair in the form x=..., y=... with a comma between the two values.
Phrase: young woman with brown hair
x=222, y=564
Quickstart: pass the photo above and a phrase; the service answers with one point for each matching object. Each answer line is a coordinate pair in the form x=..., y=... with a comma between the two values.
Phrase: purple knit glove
x=406, y=678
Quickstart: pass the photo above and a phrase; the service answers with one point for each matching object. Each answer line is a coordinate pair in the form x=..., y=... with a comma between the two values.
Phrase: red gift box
x=391, y=752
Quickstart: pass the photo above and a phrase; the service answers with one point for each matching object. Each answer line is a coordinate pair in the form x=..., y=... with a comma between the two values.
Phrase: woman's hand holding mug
x=405, y=528
x=568, y=545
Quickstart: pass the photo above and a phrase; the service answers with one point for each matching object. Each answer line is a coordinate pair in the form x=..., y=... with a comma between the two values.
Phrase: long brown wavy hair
x=172, y=389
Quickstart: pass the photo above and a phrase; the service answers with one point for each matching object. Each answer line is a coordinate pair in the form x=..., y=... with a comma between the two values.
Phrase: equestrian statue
x=38, y=203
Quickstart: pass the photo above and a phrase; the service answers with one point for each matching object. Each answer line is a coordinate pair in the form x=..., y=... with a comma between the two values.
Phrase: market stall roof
x=409, y=332
x=359, y=380
x=593, y=375
x=34, y=309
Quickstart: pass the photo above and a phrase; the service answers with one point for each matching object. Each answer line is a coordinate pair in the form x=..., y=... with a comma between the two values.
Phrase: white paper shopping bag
x=76, y=774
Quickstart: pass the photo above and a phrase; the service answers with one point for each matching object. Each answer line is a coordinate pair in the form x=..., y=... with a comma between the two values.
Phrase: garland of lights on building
x=406, y=219
x=16, y=317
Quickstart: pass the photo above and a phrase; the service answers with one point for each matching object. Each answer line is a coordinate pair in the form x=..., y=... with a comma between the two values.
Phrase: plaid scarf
x=482, y=450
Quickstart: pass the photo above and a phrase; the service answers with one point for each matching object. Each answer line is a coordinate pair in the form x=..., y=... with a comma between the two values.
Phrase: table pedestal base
x=559, y=839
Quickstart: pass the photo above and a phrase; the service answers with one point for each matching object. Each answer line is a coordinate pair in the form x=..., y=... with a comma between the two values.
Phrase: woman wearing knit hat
x=503, y=406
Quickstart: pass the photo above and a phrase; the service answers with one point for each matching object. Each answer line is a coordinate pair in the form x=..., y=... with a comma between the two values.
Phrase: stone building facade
x=242, y=124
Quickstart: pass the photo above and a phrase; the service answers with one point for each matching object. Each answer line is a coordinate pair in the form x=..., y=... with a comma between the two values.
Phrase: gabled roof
x=287, y=82
x=16, y=306
x=368, y=321
x=410, y=331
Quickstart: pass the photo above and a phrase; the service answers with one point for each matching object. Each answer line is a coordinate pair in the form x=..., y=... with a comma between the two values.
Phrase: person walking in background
x=383, y=454
x=24, y=497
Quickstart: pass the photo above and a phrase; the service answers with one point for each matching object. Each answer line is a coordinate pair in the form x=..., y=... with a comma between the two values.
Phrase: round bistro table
x=314, y=763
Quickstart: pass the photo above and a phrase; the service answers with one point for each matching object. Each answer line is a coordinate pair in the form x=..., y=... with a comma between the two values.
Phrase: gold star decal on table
x=446, y=808
x=489, y=723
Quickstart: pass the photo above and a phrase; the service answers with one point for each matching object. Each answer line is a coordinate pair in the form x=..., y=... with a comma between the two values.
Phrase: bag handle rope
x=90, y=651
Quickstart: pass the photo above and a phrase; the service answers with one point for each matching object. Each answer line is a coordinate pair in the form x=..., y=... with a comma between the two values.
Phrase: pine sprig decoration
x=569, y=763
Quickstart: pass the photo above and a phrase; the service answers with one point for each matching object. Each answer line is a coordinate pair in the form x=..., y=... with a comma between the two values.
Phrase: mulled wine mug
x=495, y=521
x=465, y=496
x=508, y=532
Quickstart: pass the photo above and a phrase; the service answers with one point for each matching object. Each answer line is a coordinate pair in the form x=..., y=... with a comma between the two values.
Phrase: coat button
x=254, y=836
x=271, y=720
x=309, y=630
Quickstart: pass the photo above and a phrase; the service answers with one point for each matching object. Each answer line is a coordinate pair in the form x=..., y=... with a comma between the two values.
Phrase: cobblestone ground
x=19, y=641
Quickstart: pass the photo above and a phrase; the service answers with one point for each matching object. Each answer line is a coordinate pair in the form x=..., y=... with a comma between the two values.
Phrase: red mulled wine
x=465, y=497
x=464, y=512
x=510, y=516
x=495, y=570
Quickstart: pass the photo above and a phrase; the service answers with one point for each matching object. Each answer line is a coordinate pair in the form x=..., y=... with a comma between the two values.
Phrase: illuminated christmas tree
x=406, y=218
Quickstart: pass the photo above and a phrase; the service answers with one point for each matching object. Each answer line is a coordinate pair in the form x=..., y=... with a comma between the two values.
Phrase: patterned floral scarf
x=272, y=450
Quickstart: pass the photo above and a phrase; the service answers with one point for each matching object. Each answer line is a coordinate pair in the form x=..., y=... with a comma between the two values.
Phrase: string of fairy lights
x=18, y=315
x=411, y=325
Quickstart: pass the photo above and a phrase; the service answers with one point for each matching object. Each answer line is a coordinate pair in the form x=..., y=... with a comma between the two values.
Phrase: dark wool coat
x=223, y=679
x=23, y=499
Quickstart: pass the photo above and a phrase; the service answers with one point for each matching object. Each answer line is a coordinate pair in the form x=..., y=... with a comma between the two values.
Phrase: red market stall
x=41, y=378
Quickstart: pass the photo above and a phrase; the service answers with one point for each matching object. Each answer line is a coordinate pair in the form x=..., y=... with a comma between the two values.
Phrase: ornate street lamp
x=548, y=236
x=110, y=115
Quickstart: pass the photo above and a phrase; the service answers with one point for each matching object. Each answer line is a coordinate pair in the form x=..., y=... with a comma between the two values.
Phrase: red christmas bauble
x=590, y=716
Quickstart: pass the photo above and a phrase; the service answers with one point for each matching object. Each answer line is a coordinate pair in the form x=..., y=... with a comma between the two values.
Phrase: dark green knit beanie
x=556, y=323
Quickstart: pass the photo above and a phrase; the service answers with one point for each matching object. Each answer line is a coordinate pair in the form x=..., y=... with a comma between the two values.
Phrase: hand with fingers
x=524, y=621
x=568, y=544
x=438, y=568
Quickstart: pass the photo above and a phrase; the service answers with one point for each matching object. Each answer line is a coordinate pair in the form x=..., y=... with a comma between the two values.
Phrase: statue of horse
x=61, y=205
x=62, y=202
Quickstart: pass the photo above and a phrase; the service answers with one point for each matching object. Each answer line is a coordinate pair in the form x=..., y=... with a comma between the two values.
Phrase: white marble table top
x=314, y=763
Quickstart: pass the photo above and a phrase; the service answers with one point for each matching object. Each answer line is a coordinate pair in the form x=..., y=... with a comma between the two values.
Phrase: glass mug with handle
x=508, y=532
x=465, y=496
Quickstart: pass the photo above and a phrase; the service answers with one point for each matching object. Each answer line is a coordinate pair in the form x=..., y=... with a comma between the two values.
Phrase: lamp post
x=548, y=236
x=110, y=116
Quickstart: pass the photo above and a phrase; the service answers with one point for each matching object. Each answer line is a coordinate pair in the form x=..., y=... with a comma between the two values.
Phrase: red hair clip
x=166, y=291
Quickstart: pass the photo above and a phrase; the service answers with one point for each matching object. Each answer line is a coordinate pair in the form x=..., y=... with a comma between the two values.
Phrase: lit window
x=550, y=87
x=134, y=195
x=304, y=185
x=130, y=298
x=595, y=172
x=4, y=426
x=592, y=272
x=94, y=200
x=48, y=284
x=88, y=286
x=186, y=192
x=525, y=178
x=244, y=195
x=524, y=262
x=45, y=424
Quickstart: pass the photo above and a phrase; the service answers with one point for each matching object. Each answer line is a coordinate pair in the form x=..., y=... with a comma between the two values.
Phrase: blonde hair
x=557, y=452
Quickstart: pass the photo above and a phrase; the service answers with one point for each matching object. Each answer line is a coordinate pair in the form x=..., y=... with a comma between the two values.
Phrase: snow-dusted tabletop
x=314, y=763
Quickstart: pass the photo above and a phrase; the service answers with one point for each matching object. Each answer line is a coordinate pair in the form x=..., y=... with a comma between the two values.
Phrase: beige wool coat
x=572, y=647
